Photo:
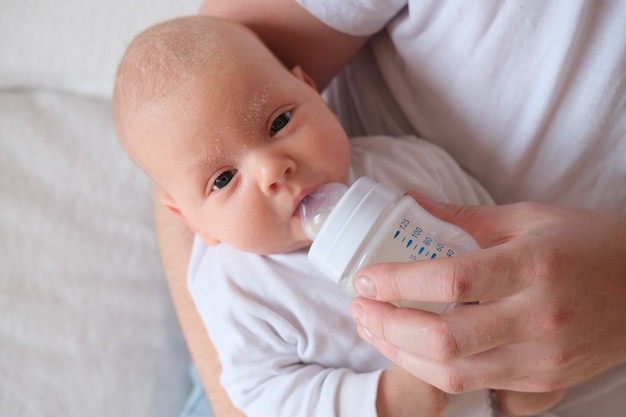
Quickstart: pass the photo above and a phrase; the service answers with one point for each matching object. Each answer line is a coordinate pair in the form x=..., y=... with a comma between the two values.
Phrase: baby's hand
x=518, y=404
x=400, y=394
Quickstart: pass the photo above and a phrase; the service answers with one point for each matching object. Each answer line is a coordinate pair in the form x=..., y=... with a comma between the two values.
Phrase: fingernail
x=358, y=315
x=365, y=287
x=368, y=336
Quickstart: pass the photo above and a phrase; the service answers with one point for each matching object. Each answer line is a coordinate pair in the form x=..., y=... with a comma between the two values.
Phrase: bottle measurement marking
x=410, y=242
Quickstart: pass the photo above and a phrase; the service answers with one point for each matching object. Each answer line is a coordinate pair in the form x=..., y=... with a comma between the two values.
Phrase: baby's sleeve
x=263, y=374
x=273, y=363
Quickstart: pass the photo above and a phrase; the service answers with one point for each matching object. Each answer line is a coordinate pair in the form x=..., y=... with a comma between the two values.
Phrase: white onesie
x=283, y=331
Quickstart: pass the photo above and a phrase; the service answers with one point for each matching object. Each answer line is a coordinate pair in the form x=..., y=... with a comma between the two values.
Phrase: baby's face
x=238, y=152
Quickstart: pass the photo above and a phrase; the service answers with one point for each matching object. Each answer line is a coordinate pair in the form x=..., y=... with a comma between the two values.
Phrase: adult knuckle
x=452, y=381
x=442, y=343
x=391, y=287
x=556, y=319
x=559, y=358
x=387, y=329
x=456, y=286
x=551, y=262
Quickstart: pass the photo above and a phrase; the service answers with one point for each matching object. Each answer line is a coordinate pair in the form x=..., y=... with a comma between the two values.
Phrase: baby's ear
x=299, y=73
x=169, y=202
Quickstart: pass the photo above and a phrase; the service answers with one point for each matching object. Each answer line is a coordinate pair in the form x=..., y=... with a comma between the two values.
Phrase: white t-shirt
x=528, y=96
x=283, y=331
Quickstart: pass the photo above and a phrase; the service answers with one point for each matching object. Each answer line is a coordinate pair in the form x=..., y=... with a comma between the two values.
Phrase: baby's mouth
x=304, y=195
x=317, y=206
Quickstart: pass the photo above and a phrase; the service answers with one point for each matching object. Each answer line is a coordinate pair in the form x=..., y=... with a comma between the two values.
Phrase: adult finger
x=474, y=276
x=477, y=346
x=479, y=275
x=460, y=332
x=455, y=376
x=494, y=368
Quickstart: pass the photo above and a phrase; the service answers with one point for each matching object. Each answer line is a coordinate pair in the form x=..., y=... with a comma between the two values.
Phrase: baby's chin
x=276, y=248
x=282, y=240
x=301, y=245
x=293, y=247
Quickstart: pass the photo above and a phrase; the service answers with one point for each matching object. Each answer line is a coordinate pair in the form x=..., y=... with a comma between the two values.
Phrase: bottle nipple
x=316, y=207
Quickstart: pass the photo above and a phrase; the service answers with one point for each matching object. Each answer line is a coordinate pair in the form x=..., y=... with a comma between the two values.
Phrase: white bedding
x=87, y=327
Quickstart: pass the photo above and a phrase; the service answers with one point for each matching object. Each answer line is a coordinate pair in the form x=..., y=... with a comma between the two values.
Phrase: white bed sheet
x=87, y=327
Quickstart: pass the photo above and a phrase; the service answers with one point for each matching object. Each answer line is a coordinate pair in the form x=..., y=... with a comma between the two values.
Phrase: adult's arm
x=292, y=33
x=175, y=240
x=551, y=282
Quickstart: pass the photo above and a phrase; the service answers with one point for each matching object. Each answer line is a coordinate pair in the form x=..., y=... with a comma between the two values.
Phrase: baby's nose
x=274, y=171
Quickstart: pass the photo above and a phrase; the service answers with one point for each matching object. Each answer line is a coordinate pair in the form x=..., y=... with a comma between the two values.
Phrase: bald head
x=165, y=57
x=159, y=59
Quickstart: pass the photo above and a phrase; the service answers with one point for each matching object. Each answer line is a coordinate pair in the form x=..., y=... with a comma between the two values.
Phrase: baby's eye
x=280, y=122
x=223, y=179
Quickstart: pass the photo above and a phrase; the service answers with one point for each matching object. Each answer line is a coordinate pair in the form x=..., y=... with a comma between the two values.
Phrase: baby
x=235, y=141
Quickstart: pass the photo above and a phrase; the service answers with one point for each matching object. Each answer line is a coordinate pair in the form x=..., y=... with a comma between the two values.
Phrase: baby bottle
x=368, y=223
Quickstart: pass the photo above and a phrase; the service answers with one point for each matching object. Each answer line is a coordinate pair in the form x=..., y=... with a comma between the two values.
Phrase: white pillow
x=74, y=44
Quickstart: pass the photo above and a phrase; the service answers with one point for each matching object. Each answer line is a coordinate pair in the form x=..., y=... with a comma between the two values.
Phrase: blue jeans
x=197, y=404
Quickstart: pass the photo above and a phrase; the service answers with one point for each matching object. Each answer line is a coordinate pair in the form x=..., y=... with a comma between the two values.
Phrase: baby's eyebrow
x=214, y=151
x=202, y=162
x=199, y=172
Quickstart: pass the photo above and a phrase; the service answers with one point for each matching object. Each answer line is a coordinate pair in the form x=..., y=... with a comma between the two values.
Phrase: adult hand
x=551, y=284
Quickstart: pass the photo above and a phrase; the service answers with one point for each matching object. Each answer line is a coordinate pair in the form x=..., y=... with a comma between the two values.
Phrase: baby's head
x=233, y=138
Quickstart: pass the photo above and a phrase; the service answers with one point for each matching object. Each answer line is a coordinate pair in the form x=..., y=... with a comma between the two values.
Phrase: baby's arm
x=400, y=394
x=274, y=360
